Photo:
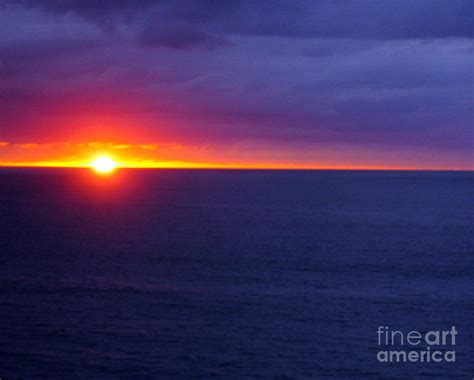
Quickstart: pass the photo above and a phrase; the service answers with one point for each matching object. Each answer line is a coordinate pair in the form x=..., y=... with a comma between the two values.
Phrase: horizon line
x=237, y=167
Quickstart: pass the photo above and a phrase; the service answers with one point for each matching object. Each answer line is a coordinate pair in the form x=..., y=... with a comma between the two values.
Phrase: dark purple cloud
x=398, y=19
x=183, y=37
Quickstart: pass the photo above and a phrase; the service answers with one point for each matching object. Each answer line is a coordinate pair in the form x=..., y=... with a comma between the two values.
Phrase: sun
x=103, y=165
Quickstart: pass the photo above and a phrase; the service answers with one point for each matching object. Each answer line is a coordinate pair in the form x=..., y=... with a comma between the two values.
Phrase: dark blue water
x=231, y=274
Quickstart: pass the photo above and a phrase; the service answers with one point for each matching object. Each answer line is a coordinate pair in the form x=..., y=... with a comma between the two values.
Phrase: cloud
x=105, y=12
x=371, y=19
x=379, y=20
x=180, y=38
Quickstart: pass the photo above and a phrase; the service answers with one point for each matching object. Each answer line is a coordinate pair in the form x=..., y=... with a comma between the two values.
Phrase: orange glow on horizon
x=105, y=157
x=206, y=165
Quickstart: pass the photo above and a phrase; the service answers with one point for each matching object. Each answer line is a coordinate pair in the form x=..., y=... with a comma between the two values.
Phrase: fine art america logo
x=433, y=346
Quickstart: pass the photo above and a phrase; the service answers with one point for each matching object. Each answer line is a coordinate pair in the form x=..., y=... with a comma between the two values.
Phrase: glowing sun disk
x=104, y=165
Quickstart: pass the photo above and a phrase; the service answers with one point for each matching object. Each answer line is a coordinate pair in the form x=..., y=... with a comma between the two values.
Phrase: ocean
x=232, y=273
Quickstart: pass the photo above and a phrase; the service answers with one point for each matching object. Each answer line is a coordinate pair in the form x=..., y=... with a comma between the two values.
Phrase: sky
x=217, y=83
